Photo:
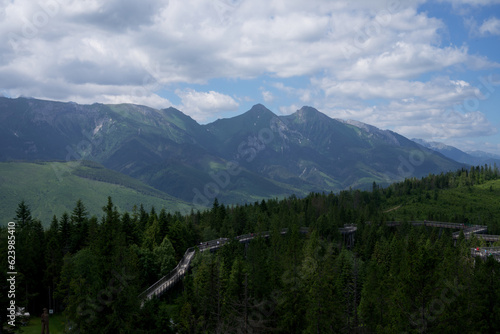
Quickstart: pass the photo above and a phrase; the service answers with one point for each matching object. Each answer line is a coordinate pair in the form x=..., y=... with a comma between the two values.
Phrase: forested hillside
x=394, y=280
x=52, y=188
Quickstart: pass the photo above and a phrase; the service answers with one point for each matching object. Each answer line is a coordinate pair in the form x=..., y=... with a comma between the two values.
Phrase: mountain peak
x=258, y=117
x=259, y=106
x=309, y=110
x=307, y=114
x=260, y=110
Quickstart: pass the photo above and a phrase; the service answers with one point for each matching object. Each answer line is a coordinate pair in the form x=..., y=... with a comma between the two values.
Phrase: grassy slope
x=54, y=187
x=480, y=204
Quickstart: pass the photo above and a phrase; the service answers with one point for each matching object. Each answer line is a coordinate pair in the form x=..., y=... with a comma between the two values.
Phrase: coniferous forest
x=402, y=279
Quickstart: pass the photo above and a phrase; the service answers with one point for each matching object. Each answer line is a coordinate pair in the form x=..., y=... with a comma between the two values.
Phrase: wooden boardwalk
x=477, y=230
x=348, y=231
x=172, y=278
x=486, y=251
x=176, y=274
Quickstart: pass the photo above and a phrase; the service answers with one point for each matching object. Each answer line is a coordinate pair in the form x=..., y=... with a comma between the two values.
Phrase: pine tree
x=53, y=262
x=99, y=282
x=208, y=289
x=128, y=229
x=375, y=298
x=23, y=215
x=177, y=236
x=165, y=256
x=485, y=296
x=323, y=312
x=291, y=300
x=163, y=220
x=30, y=262
x=66, y=231
x=258, y=268
x=79, y=222
x=151, y=238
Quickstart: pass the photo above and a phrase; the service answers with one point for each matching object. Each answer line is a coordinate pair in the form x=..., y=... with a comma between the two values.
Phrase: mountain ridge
x=471, y=157
x=275, y=156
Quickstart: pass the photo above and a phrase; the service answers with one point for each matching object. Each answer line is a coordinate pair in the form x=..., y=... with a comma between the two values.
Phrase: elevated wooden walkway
x=486, y=251
x=348, y=231
x=168, y=281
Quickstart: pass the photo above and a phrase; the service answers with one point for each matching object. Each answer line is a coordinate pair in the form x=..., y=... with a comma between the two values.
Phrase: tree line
x=404, y=279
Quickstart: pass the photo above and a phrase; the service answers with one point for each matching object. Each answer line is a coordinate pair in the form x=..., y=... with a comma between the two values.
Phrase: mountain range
x=474, y=158
x=253, y=156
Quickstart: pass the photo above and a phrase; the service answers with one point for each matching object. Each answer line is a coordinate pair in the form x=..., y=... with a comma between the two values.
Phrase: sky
x=424, y=69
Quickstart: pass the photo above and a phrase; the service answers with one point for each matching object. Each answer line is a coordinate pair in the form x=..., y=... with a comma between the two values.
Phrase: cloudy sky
x=425, y=69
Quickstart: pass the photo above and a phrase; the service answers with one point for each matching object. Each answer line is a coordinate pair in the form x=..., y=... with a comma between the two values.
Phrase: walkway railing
x=486, y=251
x=176, y=274
x=171, y=278
x=469, y=231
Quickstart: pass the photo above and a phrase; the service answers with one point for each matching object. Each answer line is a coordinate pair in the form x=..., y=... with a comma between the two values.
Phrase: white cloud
x=288, y=110
x=450, y=125
x=303, y=94
x=442, y=90
x=405, y=60
x=205, y=105
x=267, y=96
x=419, y=119
x=355, y=51
x=194, y=41
x=472, y=2
x=439, y=109
x=490, y=26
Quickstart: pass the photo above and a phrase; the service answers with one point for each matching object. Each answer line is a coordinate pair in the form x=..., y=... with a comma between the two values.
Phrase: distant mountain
x=163, y=148
x=313, y=152
x=473, y=158
x=486, y=158
x=246, y=158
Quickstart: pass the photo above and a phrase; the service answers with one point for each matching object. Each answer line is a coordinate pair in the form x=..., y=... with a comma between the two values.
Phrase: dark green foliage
x=396, y=279
x=99, y=283
x=485, y=296
x=30, y=261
